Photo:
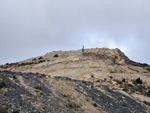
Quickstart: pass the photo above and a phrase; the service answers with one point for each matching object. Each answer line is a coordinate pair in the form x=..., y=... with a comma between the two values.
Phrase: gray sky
x=30, y=28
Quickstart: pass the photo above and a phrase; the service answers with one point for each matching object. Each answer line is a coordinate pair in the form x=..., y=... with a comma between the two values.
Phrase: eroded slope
x=81, y=65
x=28, y=92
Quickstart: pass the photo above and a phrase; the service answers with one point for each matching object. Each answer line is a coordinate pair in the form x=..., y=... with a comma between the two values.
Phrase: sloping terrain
x=38, y=93
x=96, y=80
x=79, y=65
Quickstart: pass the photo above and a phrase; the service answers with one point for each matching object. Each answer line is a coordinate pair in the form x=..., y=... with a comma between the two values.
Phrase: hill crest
x=103, y=71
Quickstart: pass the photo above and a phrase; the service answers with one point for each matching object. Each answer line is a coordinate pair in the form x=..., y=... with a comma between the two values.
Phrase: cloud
x=31, y=28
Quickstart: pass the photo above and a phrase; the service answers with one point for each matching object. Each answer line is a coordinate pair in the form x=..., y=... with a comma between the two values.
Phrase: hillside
x=96, y=80
x=37, y=93
x=78, y=65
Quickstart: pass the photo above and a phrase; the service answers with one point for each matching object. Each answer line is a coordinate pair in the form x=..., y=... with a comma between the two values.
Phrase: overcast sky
x=30, y=28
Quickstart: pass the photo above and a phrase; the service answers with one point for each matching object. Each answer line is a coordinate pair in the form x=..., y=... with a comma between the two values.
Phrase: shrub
x=40, y=58
x=13, y=64
x=105, y=80
x=95, y=105
x=7, y=64
x=139, y=81
x=97, y=80
x=148, y=93
x=92, y=76
x=111, y=77
x=123, y=80
x=148, y=69
x=56, y=55
x=41, y=61
x=38, y=87
x=3, y=84
x=84, y=82
x=23, y=64
x=147, y=103
x=64, y=95
x=29, y=63
x=144, y=65
x=34, y=59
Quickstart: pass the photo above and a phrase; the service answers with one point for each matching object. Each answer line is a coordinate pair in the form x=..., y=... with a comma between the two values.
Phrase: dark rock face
x=36, y=93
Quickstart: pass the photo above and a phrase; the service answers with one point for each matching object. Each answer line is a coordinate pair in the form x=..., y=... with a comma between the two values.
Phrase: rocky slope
x=78, y=65
x=39, y=93
x=96, y=80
